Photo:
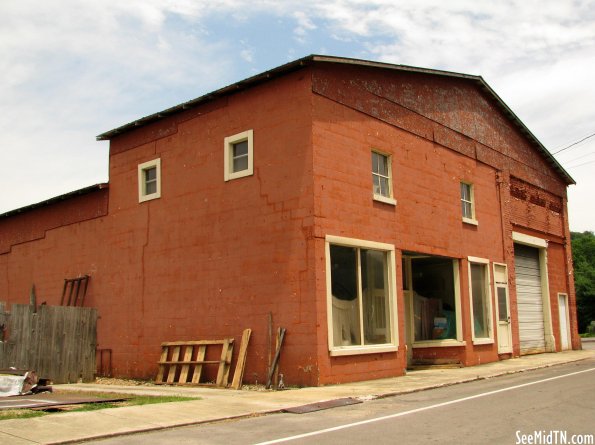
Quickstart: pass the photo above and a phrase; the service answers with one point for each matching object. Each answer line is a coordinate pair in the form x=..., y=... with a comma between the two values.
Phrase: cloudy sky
x=72, y=69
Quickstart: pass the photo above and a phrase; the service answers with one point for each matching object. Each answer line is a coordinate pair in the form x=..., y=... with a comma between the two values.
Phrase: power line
x=579, y=157
x=574, y=143
x=579, y=165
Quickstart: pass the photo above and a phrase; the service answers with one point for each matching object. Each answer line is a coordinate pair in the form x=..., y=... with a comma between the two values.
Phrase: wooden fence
x=58, y=342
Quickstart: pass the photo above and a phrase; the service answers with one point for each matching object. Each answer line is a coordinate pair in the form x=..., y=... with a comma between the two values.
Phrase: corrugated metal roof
x=312, y=59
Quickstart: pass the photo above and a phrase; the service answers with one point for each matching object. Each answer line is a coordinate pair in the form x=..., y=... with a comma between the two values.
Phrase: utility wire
x=574, y=143
x=570, y=161
x=579, y=165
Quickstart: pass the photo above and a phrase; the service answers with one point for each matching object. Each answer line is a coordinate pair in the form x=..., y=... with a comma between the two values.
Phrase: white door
x=529, y=299
x=503, y=309
x=564, y=325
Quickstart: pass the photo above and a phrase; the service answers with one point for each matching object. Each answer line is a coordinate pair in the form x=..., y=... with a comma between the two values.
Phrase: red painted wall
x=210, y=258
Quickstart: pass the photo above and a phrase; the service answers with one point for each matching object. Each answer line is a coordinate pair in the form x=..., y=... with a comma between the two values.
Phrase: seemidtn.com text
x=553, y=437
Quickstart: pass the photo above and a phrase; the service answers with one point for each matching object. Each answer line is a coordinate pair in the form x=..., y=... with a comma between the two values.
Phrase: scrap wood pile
x=14, y=382
x=183, y=362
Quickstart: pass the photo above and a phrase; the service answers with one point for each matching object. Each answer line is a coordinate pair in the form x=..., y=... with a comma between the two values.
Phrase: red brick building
x=384, y=215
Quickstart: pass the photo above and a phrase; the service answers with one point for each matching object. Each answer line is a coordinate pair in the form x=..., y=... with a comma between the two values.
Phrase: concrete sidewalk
x=221, y=404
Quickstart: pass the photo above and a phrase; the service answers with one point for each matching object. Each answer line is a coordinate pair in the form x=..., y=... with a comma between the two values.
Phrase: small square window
x=381, y=178
x=238, y=155
x=468, y=203
x=149, y=180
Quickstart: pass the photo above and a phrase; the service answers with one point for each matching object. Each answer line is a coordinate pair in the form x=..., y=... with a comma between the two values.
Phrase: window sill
x=483, y=341
x=150, y=197
x=358, y=350
x=471, y=221
x=385, y=200
x=438, y=343
x=238, y=175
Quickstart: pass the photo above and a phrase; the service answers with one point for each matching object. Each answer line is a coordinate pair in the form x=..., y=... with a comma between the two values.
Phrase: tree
x=583, y=255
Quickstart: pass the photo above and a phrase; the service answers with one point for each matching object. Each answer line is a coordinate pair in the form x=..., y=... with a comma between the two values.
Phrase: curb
x=365, y=398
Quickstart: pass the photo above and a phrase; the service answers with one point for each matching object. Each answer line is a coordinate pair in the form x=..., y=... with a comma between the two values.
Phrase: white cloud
x=71, y=69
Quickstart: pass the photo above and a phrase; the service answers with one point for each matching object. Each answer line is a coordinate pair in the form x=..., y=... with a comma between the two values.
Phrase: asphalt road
x=541, y=406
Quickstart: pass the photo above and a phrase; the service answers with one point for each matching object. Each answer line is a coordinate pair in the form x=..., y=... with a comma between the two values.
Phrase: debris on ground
x=14, y=382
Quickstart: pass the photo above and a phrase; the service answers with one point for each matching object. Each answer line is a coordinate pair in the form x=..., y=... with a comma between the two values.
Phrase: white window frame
x=229, y=143
x=469, y=220
x=378, y=197
x=488, y=293
x=449, y=342
x=389, y=249
x=142, y=183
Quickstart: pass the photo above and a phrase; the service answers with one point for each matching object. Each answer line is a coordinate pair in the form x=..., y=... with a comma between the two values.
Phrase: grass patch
x=6, y=414
x=587, y=335
x=131, y=400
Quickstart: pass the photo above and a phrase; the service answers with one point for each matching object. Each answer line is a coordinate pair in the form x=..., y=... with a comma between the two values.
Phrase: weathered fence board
x=58, y=342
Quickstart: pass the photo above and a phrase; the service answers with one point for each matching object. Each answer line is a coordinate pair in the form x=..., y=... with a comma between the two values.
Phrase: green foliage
x=583, y=255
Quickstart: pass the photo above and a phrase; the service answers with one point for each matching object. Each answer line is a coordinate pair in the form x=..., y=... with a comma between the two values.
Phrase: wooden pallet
x=182, y=362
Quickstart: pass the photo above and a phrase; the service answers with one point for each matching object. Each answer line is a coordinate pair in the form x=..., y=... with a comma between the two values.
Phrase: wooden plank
x=160, y=374
x=189, y=362
x=202, y=349
x=199, y=342
x=276, y=359
x=173, y=368
x=238, y=375
x=221, y=371
x=186, y=364
x=227, y=364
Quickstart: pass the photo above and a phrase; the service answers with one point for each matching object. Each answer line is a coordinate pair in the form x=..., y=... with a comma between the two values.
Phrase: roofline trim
x=53, y=200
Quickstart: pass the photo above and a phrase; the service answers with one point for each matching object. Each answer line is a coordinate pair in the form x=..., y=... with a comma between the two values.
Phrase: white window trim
x=473, y=219
x=142, y=193
x=488, y=289
x=394, y=337
x=529, y=240
x=449, y=342
x=381, y=198
x=229, y=141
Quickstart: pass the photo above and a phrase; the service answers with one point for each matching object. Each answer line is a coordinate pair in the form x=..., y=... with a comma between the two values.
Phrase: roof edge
x=317, y=58
x=53, y=200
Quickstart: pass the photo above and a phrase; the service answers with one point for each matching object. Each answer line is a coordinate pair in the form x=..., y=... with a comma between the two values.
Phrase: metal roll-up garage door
x=529, y=299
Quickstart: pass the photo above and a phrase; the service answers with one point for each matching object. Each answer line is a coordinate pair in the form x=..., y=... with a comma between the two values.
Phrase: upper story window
x=149, y=180
x=381, y=178
x=468, y=203
x=238, y=155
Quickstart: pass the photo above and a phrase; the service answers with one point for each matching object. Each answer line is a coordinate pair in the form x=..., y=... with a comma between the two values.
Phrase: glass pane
x=384, y=191
x=345, y=305
x=465, y=191
x=382, y=165
x=374, y=162
x=150, y=174
x=240, y=148
x=502, y=306
x=240, y=163
x=478, y=292
x=376, y=182
x=151, y=187
x=375, y=297
x=434, y=305
x=379, y=164
x=466, y=208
